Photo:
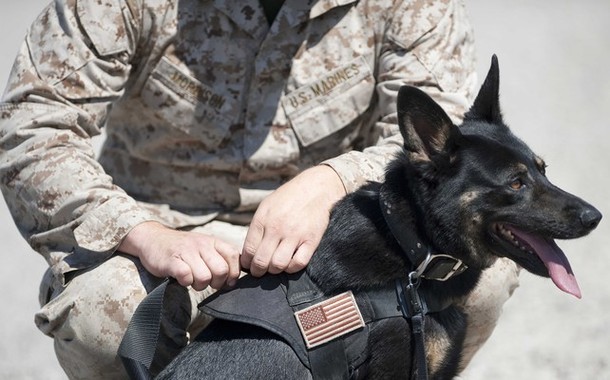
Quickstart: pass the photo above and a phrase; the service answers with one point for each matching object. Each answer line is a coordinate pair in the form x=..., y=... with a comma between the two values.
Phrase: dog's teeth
x=510, y=237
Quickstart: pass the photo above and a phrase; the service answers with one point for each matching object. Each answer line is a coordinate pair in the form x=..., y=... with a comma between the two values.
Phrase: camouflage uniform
x=207, y=108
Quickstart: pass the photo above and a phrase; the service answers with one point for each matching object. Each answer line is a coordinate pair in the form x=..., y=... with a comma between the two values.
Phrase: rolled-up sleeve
x=73, y=64
x=430, y=45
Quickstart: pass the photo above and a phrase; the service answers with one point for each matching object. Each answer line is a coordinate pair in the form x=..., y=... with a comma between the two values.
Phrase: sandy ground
x=556, y=96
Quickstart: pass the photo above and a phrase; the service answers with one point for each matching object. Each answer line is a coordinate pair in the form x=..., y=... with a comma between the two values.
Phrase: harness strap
x=378, y=304
x=140, y=347
x=329, y=361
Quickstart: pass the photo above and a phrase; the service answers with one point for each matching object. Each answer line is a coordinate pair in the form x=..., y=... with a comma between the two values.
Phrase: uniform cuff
x=354, y=170
x=103, y=229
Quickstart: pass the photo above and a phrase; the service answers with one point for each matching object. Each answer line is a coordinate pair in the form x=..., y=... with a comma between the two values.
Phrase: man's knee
x=88, y=318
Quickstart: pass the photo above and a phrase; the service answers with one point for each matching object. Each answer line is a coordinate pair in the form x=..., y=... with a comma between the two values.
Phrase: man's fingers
x=301, y=257
x=208, y=262
x=251, y=244
x=200, y=272
x=231, y=257
x=193, y=259
x=218, y=267
x=282, y=256
x=181, y=271
x=265, y=251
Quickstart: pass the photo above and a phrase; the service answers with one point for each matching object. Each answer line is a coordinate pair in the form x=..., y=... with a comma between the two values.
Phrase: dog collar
x=427, y=265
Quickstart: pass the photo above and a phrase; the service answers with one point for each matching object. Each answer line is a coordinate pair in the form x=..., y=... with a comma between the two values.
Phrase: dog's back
x=236, y=351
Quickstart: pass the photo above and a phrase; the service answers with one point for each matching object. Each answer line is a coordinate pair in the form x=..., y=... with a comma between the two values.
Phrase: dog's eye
x=517, y=184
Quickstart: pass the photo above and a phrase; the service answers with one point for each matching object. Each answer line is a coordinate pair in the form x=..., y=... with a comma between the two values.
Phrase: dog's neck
x=425, y=262
x=409, y=198
x=359, y=251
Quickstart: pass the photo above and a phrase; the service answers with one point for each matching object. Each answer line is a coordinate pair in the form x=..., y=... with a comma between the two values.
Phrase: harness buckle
x=439, y=267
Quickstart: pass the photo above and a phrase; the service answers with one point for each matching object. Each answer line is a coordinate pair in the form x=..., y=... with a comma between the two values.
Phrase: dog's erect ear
x=424, y=126
x=486, y=106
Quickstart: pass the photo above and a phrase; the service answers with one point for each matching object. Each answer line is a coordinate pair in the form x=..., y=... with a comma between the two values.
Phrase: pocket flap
x=331, y=103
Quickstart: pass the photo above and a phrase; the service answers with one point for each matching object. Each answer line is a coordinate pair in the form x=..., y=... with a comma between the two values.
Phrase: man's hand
x=288, y=225
x=191, y=258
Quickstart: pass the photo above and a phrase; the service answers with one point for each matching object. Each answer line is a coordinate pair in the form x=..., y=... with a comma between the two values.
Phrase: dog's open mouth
x=547, y=251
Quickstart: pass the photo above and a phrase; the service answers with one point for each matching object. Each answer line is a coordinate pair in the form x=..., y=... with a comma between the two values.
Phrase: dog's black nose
x=590, y=218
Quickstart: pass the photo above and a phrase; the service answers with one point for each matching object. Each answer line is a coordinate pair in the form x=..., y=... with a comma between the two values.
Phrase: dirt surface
x=555, y=91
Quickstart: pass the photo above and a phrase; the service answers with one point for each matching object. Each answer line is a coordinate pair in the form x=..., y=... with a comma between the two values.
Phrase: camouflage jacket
x=207, y=107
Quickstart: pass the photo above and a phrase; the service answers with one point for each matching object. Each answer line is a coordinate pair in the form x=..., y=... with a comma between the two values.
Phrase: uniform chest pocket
x=188, y=106
x=331, y=103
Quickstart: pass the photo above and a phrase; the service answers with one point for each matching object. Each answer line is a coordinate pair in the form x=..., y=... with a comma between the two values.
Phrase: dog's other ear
x=486, y=106
x=424, y=126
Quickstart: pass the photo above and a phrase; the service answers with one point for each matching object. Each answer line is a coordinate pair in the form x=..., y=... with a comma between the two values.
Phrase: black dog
x=474, y=192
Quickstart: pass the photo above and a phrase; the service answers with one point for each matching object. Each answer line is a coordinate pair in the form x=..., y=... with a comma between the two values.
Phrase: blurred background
x=555, y=92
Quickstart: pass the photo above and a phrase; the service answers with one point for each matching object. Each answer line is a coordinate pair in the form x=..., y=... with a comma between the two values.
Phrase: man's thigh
x=88, y=317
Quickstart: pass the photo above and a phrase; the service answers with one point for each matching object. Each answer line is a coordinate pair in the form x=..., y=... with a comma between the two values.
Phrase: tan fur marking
x=437, y=346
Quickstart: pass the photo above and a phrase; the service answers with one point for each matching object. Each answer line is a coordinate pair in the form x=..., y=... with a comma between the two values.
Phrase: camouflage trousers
x=88, y=316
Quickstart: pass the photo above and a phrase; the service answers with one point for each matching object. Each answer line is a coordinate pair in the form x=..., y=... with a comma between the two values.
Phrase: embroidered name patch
x=189, y=87
x=329, y=319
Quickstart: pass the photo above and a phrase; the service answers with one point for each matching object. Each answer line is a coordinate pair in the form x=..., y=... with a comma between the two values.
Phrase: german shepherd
x=476, y=192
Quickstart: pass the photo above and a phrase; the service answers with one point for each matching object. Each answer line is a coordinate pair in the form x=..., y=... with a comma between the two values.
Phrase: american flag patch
x=330, y=319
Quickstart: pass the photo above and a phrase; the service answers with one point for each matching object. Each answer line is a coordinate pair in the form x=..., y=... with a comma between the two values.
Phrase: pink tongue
x=555, y=261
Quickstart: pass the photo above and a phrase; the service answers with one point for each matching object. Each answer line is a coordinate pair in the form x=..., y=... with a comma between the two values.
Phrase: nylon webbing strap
x=413, y=307
x=329, y=361
x=139, y=343
x=418, y=322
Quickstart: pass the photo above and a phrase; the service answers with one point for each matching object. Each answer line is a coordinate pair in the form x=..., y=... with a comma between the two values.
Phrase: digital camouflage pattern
x=207, y=108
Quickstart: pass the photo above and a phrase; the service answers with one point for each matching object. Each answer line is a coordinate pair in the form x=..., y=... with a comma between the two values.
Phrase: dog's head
x=482, y=192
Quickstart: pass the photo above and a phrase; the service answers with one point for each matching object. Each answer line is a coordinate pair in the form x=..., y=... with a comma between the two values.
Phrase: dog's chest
x=438, y=346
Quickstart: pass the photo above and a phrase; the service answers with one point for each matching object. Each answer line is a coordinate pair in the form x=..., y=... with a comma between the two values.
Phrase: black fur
x=463, y=184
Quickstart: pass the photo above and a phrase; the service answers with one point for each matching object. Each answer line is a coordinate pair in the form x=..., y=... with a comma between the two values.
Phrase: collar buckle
x=439, y=267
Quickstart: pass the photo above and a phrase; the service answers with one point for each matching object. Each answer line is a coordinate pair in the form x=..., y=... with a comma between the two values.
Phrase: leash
x=413, y=307
x=426, y=265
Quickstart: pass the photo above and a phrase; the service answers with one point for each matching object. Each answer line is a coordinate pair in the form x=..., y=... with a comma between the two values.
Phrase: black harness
x=293, y=307
x=290, y=296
